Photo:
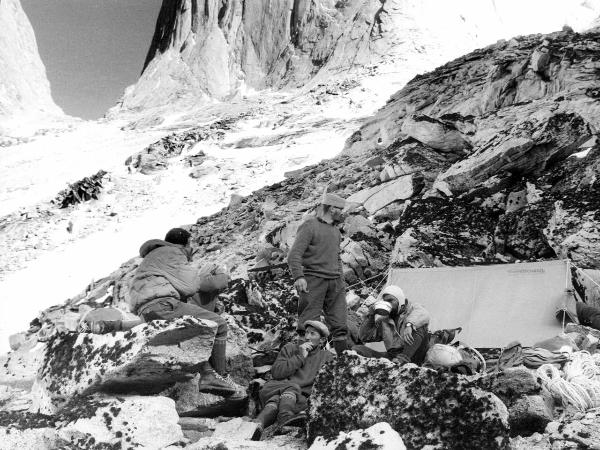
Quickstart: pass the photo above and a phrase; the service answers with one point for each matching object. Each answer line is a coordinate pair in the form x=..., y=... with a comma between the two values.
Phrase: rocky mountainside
x=490, y=158
x=24, y=88
x=217, y=49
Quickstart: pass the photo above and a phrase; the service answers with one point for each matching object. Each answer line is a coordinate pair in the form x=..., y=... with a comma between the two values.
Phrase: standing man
x=316, y=266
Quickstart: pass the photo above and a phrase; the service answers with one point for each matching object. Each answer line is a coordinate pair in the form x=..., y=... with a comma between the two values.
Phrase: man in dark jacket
x=579, y=313
x=316, y=266
x=160, y=287
x=294, y=372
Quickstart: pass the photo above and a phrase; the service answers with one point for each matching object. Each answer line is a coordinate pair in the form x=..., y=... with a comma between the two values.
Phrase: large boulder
x=529, y=146
x=377, y=197
x=19, y=368
x=44, y=438
x=529, y=414
x=436, y=134
x=423, y=406
x=513, y=383
x=380, y=436
x=530, y=408
x=95, y=422
x=123, y=422
x=145, y=359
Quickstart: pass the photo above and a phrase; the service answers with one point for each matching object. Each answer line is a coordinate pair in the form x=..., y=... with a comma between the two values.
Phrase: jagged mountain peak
x=217, y=49
x=24, y=88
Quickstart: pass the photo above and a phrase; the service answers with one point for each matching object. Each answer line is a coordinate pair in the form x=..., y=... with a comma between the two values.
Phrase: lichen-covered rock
x=513, y=383
x=29, y=439
x=579, y=431
x=424, y=407
x=126, y=422
x=379, y=436
x=529, y=414
x=536, y=441
x=19, y=368
x=529, y=409
x=145, y=359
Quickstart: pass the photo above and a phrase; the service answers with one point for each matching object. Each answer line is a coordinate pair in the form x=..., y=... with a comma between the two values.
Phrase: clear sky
x=92, y=49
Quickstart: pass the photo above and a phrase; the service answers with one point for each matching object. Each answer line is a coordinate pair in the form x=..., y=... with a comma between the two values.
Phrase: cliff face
x=24, y=87
x=217, y=48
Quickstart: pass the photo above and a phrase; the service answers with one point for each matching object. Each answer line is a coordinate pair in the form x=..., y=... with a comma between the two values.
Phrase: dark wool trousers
x=329, y=297
x=588, y=315
x=385, y=331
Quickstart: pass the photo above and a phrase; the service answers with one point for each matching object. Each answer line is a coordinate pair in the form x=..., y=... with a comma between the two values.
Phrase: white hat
x=394, y=291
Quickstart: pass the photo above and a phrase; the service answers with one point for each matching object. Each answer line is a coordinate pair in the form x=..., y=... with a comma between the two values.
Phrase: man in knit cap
x=160, y=288
x=401, y=325
x=314, y=261
x=284, y=398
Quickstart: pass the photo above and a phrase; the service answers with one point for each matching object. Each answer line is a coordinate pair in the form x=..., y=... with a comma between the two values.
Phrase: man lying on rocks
x=401, y=325
x=294, y=371
x=316, y=266
x=579, y=313
x=165, y=286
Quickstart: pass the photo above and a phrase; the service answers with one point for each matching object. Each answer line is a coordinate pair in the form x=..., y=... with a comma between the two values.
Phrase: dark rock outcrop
x=424, y=407
x=529, y=408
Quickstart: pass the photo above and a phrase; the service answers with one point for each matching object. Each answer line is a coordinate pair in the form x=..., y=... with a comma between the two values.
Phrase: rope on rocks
x=363, y=282
x=568, y=393
x=580, y=386
x=582, y=364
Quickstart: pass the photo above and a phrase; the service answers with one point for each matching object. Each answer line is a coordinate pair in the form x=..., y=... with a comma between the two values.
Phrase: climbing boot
x=296, y=420
x=213, y=383
x=287, y=410
x=266, y=418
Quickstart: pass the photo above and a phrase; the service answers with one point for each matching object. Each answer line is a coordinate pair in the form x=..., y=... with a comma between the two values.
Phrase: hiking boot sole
x=217, y=391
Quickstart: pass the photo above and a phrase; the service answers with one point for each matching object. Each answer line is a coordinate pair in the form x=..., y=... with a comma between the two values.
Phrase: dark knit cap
x=178, y=236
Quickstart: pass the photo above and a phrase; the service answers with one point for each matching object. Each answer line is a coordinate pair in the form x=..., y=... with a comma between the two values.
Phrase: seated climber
x=294, y=372
x=400, y=324
x=159, y=290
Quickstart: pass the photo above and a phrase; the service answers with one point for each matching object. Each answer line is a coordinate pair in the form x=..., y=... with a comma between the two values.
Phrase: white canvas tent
x=493, y=304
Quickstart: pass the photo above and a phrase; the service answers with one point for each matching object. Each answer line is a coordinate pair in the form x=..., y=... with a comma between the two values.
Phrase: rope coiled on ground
x=580, y=386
